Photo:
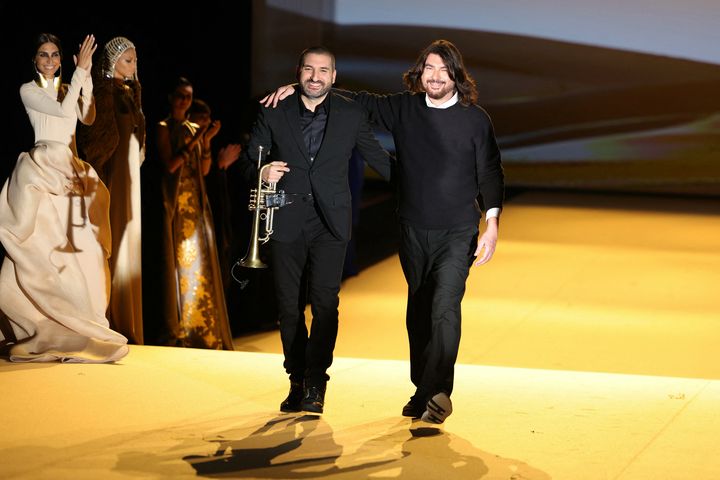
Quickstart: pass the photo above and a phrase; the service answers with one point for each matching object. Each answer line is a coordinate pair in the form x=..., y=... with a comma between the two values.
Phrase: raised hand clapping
x=83, y=59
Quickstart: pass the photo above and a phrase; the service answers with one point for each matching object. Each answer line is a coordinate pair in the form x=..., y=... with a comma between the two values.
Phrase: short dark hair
x=318, y=50
x=452, y=58
x=199, y=107
x=179, y=82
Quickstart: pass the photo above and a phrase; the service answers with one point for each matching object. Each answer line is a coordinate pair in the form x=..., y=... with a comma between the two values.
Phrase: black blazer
x=326, y=178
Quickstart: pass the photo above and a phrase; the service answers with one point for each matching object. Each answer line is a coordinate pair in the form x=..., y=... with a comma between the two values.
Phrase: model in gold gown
x=195, y=308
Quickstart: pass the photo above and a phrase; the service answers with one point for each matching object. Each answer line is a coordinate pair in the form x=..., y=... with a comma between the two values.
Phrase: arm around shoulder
x=382, y=109
x=371, y=150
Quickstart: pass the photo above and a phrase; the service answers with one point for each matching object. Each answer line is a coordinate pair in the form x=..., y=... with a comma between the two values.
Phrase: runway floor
x=589, y=351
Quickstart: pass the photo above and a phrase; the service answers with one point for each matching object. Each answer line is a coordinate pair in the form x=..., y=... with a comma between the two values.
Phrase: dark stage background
x=590, y=95
x=581, y=109
x=208, y=43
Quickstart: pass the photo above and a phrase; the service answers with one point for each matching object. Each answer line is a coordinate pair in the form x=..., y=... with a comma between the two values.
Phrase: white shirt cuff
x=493, y=212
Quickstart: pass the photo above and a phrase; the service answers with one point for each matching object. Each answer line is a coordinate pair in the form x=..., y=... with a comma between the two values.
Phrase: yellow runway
x=589, y=352
x=622, y=284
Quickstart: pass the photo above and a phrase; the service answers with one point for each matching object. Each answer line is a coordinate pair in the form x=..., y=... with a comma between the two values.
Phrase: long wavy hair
x=40, y=40
x=452, y=58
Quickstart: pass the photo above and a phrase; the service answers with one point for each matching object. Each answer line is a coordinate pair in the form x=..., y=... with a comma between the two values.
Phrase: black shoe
x=294, y=399
x=413, y=409
x=314, y=399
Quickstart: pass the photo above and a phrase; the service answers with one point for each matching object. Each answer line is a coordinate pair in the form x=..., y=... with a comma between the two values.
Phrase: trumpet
x=264, y=200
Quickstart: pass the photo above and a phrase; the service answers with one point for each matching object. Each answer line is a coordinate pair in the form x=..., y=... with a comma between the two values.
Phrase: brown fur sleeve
x=98, y=141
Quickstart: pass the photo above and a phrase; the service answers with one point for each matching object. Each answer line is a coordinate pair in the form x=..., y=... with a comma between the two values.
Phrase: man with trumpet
x=310, y=141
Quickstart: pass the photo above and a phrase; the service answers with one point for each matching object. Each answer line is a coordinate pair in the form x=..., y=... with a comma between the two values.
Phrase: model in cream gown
x=54, y=281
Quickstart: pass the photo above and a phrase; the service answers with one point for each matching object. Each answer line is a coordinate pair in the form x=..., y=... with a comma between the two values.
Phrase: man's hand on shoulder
x=280, y=94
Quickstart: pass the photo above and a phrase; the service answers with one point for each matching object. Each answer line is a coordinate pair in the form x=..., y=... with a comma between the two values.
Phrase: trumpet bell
x=262, y=211
x=249, y=261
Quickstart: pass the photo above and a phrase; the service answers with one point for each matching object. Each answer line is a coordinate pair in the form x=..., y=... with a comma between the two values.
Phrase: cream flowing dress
x=54, y=281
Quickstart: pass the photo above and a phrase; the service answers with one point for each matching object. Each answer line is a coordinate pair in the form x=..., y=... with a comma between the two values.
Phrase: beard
x=324, y=88
x=447, y=88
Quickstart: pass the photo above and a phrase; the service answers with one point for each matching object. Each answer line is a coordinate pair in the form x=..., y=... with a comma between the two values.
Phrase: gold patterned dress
x=195, y=302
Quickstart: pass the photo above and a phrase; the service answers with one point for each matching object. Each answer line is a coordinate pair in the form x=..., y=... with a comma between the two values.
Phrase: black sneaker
x=438, y=408
x=314, y=399
x=294, y=399
x=413, y=409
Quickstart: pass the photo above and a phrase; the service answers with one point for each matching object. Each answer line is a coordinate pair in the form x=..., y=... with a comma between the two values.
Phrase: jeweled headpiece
x=113, y=49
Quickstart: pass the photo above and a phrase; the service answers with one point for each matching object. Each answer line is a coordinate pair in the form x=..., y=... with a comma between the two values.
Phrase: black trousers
x=308, y=268
x=436, y=264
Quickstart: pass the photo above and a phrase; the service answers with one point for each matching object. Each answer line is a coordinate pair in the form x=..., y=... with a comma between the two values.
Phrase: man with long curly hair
x=447, y=159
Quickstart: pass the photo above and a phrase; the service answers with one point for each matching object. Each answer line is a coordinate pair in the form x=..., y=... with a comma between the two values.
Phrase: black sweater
x=447, y=158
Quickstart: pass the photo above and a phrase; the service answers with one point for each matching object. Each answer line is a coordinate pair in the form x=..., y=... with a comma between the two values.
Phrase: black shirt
x=313, y=125
x=447, y=159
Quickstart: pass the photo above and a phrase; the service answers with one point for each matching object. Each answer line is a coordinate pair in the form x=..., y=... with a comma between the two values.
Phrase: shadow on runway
x=305, y=446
